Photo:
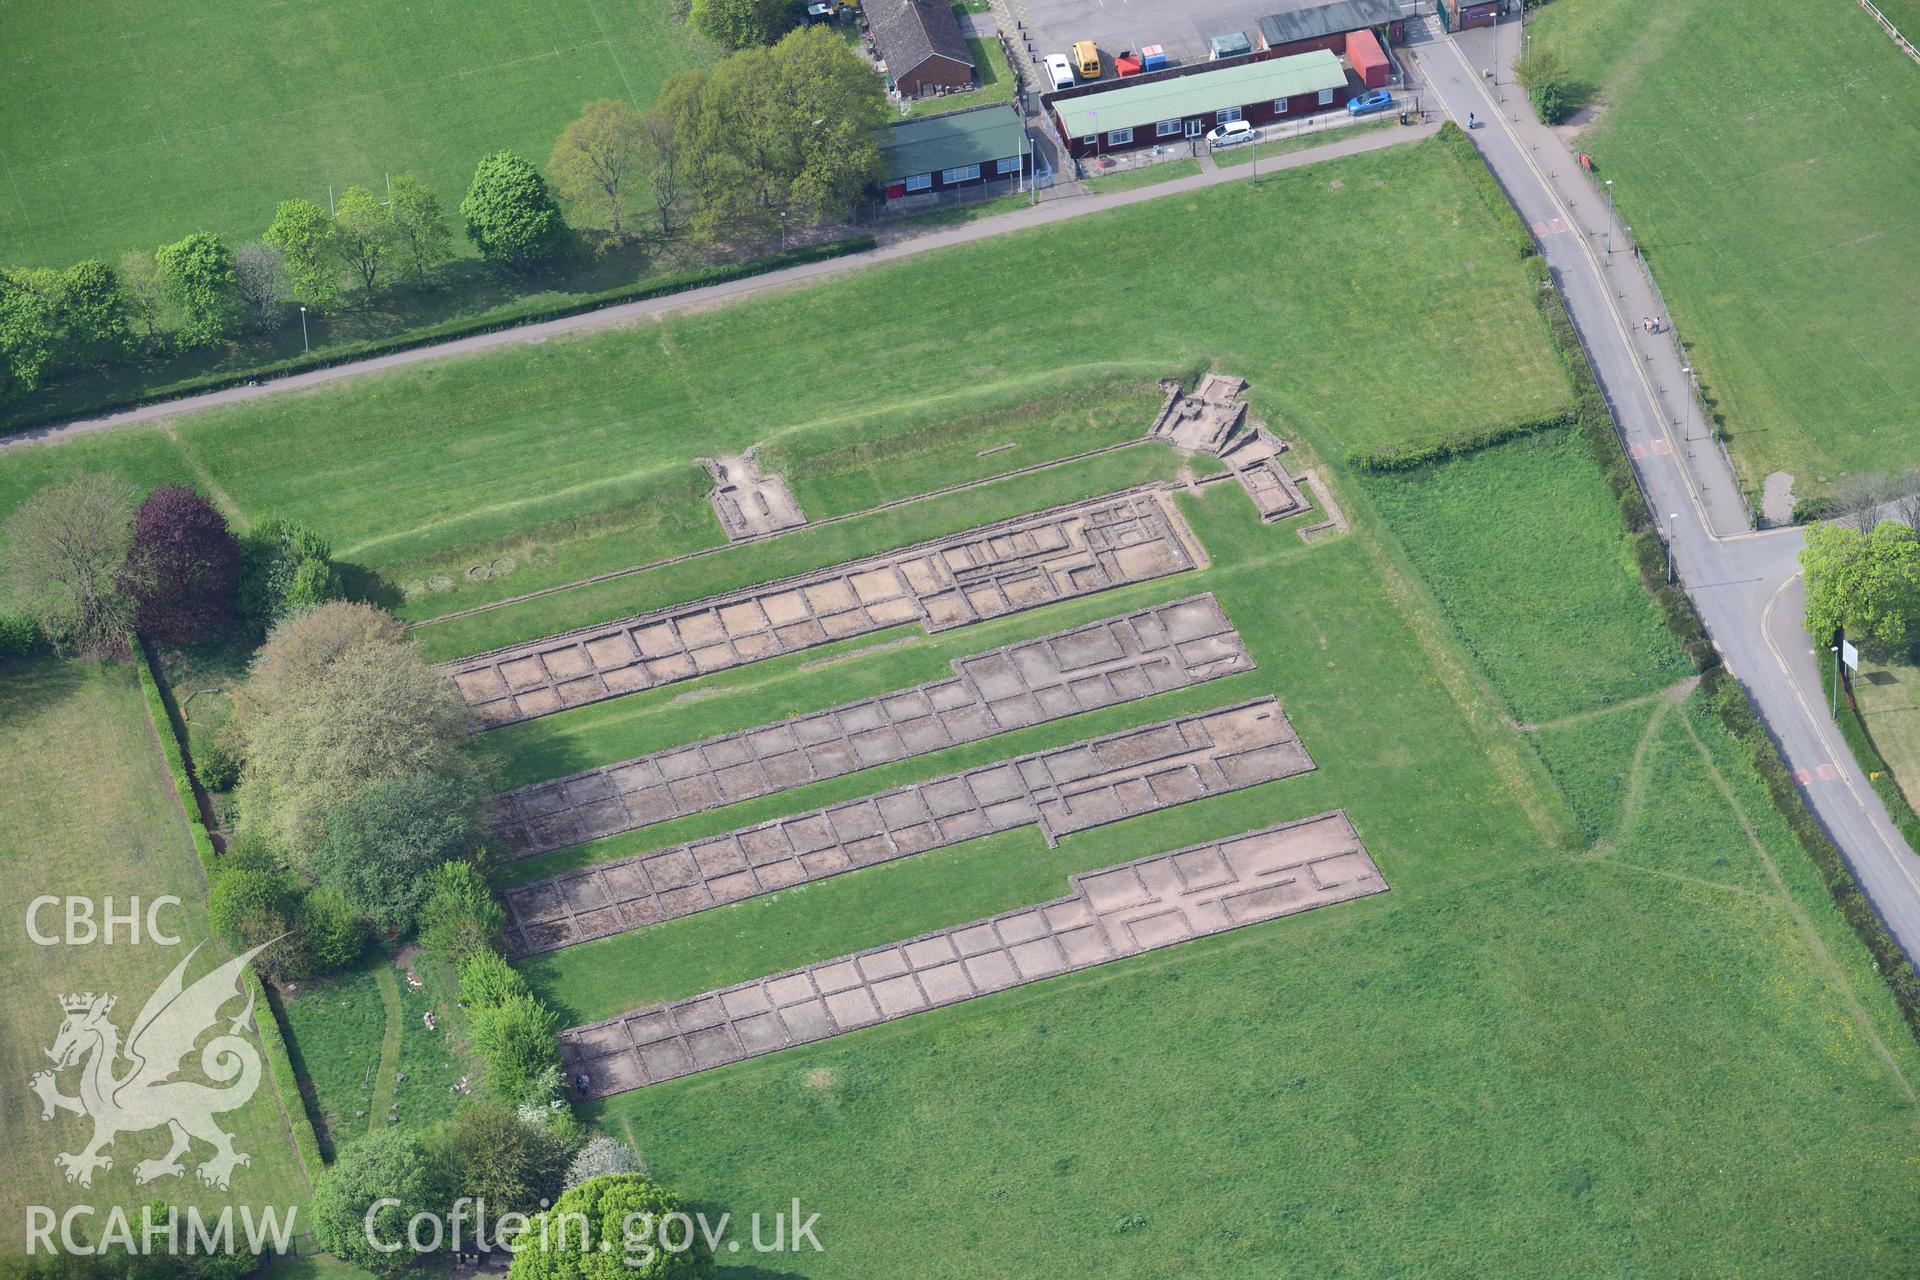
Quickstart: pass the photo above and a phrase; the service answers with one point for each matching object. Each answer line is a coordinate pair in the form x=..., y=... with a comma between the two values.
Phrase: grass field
x=1590, y=995
x=127, y=126
x=578, y=456
x=1776, y=208
x=1888, y=694
x=1145, y=175
x=89, y=810
x=365, y=1052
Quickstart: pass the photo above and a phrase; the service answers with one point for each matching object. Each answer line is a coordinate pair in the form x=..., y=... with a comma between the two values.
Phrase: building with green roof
x=954, y=149
x=1167, y=107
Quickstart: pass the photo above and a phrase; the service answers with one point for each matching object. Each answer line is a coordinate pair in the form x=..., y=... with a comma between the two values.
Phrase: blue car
x=1369, y=102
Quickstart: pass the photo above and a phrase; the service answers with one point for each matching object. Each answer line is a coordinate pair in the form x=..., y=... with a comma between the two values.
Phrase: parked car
x=1230, y=134
x=1369, y=102
x=1059, y=71
x=821, y=13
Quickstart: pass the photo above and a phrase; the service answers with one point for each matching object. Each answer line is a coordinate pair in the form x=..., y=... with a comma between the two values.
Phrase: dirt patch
x=1776, y=498
x=820, y=1078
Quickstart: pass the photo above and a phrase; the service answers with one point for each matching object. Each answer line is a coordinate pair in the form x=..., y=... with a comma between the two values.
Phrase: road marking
x=1637, y=450
x=1828, y=773
x=1662, y=447
x=1803, y=776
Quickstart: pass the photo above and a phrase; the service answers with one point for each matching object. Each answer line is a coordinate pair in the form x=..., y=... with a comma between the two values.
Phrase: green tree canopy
x=387, y=1164
x=517, y=1039
x=366, y=235
x=1866, y=585
x=738, y=24
x=29, y=332
x=510, y=215
x=308, y=240
x=93, y=311
x=376, y=714
x=488, y=1151
x=382, y=845
x=65, y=560
x=420, y=227
x=623, y=1213
x=597, y=163
x=197, y=274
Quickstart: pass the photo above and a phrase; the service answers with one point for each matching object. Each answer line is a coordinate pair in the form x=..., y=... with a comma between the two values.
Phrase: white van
x=1059, y=71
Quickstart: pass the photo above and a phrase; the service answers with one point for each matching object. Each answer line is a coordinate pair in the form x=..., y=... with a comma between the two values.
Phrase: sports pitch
x=126, y=126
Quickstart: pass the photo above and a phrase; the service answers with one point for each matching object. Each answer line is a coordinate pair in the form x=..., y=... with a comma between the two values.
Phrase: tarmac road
x=1746, y=585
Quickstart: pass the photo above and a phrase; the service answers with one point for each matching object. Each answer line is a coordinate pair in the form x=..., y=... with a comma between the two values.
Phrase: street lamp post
x=1609, y=219
x=304, y=346
x=1834, y=712
x=783, y=230
x=1671, y=517
x=1687, y=433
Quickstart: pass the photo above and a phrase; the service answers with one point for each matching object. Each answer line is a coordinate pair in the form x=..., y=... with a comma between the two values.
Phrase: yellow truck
x=1086, y=59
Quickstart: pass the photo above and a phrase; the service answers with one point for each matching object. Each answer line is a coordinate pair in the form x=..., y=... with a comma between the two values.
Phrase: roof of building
x=908, y=32
x=1315, y=20
x=952, y=140
x=1131, y=106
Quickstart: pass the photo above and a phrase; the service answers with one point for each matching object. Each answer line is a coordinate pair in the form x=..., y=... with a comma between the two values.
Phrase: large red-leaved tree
x=184, y=567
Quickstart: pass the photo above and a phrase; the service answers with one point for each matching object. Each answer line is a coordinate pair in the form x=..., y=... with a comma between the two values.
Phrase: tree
x=366, y=235
x=1906, y=507
x=1546, y=81
x=29, y=329
x=660, y=166
x=376, y=714
x=597, y=160
x=183, y=568
x=738, y=24
x=420, y=226
x=516, y=1038
x=197, y=275
x=510, y=215
x=348, y=1214
x=382, y=845
x=260, y=282
x=300, y=648
x=459, y=916
x=93, y=311
x=308, y=240
x=623, y=1213
x=1865, y=585
x=1858, y=498
x=66, y=555
x=600, y=1158
x=488, y=1152
x=284, y=568
x=836, y=107
x=146, y=299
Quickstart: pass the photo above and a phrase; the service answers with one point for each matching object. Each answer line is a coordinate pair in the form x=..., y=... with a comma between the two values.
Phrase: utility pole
x=304, y=346
x=1671, y=517
x=1609, y=219
x=1835, y=712
x=1688, y=433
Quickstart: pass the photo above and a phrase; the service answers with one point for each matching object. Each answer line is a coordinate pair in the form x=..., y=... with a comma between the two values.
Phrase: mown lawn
x=1888, y=694
x=129, y=127
x=86, y=809
x=485, y=477
x=1537, y=1052
x=1764, y=154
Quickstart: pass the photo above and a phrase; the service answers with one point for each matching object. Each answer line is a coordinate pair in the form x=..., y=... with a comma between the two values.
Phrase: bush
x=19, y=635
x=602, y=1158
x=217, y=767
x=1547, y=82
x=331, y=933
x=516, y=1040
x=488, y=1151
x=739, y=24
x=284, y=568
x=248, y=908
x=1410, y=455
x=381, y=847
x=459, y=917
x=1809, y=510
x=487, y=981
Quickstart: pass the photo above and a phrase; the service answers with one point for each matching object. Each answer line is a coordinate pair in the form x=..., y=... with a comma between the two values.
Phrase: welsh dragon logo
x=132, y=1088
